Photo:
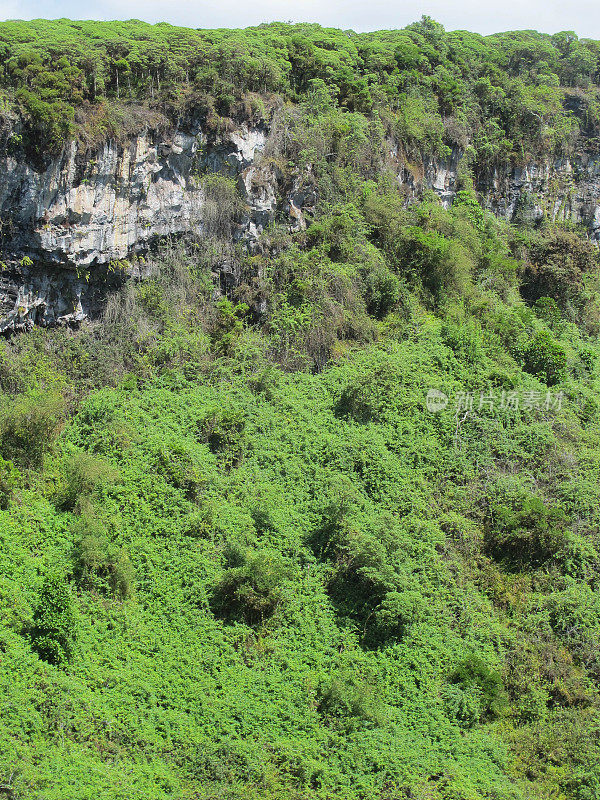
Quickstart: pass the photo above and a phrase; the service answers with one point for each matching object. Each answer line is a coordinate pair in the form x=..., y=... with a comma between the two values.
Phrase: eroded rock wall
x=63, y=229
x=556, y=189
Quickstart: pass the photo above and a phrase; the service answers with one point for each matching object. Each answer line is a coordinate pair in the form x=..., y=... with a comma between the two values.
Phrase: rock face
x=564, y=189
x=66, y=231
x=559, y=189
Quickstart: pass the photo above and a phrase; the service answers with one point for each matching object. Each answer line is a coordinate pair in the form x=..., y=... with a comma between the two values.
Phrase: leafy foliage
x=274, y=573
x=53, y=631
x=27, y=426
x=251, y=590
x=515, y=90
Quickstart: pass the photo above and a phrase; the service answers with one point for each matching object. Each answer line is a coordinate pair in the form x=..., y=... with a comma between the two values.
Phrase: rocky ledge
x=65, y=228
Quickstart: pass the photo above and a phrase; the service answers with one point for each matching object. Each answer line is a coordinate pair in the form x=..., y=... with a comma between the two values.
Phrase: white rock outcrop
x=85, y=212
x=62, y=229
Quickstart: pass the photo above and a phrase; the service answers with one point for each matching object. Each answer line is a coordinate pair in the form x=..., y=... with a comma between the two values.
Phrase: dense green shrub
x=545, y=358
x=179, y=465
x=347, y=699
x=558, y=263
x=397, y=612
x=9, y=480
x=28, y=425
x=83, y=475
x=524, y=531
x=223, y=431
x=53, y=633
x=381, y=291
x=251, y=590
x=442, y=265
x=476, y=691
x=97, y=562
x=547, y=309
x=229, y=325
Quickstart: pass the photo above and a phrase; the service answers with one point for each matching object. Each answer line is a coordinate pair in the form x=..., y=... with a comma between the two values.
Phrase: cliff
x=69, y=230
x=558, y=189
x=66, y=229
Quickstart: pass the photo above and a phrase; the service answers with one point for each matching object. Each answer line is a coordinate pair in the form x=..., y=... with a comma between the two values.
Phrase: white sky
x=582, y=16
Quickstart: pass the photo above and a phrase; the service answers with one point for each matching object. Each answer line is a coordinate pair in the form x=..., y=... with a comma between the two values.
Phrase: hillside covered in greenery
x=242, y=555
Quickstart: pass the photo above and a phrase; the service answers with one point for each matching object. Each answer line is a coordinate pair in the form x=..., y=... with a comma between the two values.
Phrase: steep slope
x=309, y=506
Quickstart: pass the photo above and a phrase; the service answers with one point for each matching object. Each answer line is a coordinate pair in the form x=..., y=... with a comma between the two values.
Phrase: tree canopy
x=503, y=94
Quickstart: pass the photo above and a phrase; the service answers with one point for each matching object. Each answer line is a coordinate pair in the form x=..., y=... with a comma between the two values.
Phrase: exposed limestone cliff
x=559, y=189
x=64, y=229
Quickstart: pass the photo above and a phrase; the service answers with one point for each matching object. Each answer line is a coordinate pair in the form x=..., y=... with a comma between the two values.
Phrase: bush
x=397, y=612
x=223, y=206
x=558, y=262
x=229, y=325
x=90, y=548
x=381, y=289
x=442, y=265
x=53, y=634
x=547, y=309
x=122, y=573
x=9, y=479
x=223, y=431
x=348, y=699
x=28, y=425
x=251, y=591
x=522, y=531
x=546, y=359
x=475, y=692
x=83, y=474
x=178, y=464
x=98, y=563
x=364, y=584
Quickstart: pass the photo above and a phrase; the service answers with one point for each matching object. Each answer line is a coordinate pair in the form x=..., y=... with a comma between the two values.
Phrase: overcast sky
x=485, y=16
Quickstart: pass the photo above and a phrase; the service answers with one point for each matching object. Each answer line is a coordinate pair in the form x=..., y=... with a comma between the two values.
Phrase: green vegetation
x=502, y=96
x=240, y=558
x=53, y=632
